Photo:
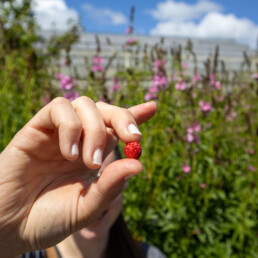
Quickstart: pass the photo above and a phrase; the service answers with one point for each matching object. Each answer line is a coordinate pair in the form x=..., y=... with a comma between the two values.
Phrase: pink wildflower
x=71, y=95
x=186, y=169
x=251, y=168
x=154, y=89
x=230, y=117
x=194, y=95
x=181, y=85
x=218, y=85
x=205, y=106
x=250, y=151
x=184, y=65
x=129, y=30
x=116, y=86
x=97, y=64
x=59, y=76
x=131, y=41
x=212, y=79
x=214, y=83
x=226, y=108
x=150, y=96
x=255, y=76
x=66, y=82
x=97, y=68
x=159, y=80
x=163, y=80
x=190, y=137
x=203, y=185
x=191, y=133
x=159, y=64
x=196, y=77
x=194, y=128
x=98, y=60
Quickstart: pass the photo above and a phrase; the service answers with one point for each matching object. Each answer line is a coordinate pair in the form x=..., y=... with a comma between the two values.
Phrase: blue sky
x=188, y=18
x=143, y=21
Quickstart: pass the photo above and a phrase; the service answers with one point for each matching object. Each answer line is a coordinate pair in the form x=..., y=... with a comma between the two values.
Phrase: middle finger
x=94, y=131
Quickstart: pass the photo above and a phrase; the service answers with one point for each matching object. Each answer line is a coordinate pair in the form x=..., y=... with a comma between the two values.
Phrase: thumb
x=105, y=189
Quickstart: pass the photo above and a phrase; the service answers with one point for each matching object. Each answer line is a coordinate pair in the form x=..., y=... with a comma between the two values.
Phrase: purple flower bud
x=203, y=185
x=190, y=137
x=154, y=89
x=116, y=86
x=251, y=168
x=97, y=64
x=149, y=96
x=196, y=78
x=59, y=76
x=181, y=85
x=71, y=95
x=131, y=41
x=129, y=30
x=255, y=76
x=218, y=85
x=186, y=169
x=205, y=106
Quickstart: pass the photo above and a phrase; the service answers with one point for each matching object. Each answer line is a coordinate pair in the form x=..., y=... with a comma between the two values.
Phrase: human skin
x=47, y=192
x=91, y=241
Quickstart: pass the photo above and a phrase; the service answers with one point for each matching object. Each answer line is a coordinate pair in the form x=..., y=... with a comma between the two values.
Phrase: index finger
x=143, y=112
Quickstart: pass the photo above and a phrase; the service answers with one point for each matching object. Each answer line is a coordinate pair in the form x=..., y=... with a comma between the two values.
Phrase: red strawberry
x=133, y=150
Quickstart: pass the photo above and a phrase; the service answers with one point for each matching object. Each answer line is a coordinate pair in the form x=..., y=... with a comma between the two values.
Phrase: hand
x=48, y=173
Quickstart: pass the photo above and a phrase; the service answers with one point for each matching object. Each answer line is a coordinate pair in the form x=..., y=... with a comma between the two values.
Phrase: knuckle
x=126, y=112
x=84, y=99
x=102, y=104
x=60, y=101
x=73, y=125
x=100, y=129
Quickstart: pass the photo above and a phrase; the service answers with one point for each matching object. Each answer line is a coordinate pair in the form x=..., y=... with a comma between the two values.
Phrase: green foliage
x=210, y=211
x=169, y=208
x=22, y=71
x=25, y=74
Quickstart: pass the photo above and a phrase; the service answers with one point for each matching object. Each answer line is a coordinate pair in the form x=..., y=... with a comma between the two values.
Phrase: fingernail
x=133, y=129
x=97, y=157
x=128, y=177
x=75, y=149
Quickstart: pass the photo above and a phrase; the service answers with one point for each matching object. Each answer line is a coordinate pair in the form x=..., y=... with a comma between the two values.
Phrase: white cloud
x=104, y=15
x=212, y=24
x=49, y=12
x=180, y=11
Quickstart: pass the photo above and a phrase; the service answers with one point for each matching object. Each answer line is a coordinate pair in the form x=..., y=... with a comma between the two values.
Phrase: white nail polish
x=75, y=149
x=97, y=157
x=133, y=129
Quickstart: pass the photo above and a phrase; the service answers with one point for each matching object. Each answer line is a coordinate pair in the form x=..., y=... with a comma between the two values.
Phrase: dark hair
x=121, y=243
x=117, y=152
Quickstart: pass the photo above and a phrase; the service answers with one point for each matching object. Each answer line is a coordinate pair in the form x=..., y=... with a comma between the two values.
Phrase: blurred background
x=197, y=194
